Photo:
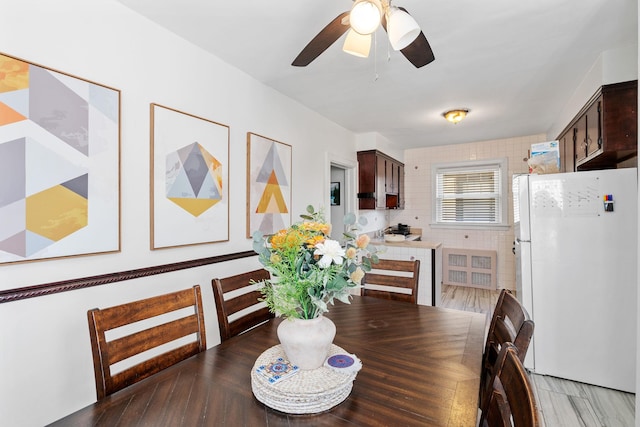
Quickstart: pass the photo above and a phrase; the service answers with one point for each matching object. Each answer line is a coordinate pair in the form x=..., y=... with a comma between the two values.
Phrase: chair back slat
x=130, y=345
x=227, y=306
x=510, y=323
x=152, y=366
x=124, y=314
x=241, y=302
x=108, y=352
x=248, y=321
x=385, y=273
x=510, y=401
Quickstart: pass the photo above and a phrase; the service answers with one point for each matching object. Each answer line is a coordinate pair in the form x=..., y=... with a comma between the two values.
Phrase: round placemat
x=305, y=392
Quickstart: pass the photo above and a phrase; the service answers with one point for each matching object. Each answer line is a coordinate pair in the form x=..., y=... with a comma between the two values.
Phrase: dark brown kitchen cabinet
x=380, y=181
x=401, y=193
x=581, y=136
x=604, y=133
x=567, y=152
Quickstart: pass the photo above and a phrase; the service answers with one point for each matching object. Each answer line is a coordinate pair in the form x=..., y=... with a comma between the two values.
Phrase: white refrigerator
x=576, y=273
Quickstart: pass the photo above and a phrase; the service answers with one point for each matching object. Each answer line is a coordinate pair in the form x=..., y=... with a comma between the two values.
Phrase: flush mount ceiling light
x=455, y=116
x=363, y=19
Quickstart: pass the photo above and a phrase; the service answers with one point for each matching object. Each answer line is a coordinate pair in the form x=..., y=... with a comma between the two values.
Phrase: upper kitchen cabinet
x=380, y=181
x=604, y=133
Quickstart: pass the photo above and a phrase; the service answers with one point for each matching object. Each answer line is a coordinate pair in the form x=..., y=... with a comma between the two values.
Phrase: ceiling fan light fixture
x=455, y=116
x=357, y=44
x=401, y=27
x=365, y=16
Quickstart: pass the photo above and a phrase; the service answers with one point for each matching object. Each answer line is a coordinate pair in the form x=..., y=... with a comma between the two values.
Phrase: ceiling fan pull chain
x=375, y=57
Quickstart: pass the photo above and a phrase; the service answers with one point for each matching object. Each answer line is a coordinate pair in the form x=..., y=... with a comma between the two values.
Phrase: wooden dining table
x=420, y=367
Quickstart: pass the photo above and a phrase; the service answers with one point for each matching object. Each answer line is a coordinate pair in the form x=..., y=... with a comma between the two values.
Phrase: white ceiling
x=514, y=64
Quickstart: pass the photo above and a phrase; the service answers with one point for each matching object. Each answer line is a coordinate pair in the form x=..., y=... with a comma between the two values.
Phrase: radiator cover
x=469, y=267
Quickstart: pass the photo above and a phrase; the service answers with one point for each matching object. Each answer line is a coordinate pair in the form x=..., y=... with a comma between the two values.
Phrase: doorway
x=341, y=193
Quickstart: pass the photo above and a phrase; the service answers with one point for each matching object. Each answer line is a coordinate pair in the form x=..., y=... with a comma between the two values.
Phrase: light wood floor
x=562, y=403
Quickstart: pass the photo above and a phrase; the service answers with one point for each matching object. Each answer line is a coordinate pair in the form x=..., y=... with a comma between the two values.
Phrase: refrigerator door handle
x=519, y=240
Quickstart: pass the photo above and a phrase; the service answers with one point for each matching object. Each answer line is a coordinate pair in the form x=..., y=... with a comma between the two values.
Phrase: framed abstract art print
x=189, y=179
x=59, y=164
x=268, y=185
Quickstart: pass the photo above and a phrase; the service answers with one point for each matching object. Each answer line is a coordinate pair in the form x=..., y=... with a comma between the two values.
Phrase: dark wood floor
x=562, y=403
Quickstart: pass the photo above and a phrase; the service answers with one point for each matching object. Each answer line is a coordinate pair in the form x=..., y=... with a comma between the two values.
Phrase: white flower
x=331, y=251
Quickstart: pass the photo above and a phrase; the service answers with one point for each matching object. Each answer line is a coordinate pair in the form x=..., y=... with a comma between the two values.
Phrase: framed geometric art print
x=189, y=179
x=59, y=164
x=268, y=185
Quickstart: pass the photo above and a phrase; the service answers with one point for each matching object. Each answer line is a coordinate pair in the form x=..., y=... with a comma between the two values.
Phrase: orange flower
x=317, y=227
x=362, y=241
x=287, y=239
x=277, y=240
x=351, y=253
x=314, y=240
x=357, y=276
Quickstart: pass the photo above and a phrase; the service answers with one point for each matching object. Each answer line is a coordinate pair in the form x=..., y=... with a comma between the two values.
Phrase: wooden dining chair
x=510, y=401
x=510, y=323
x=401, y=275
x=231, y=297
x=143, y=337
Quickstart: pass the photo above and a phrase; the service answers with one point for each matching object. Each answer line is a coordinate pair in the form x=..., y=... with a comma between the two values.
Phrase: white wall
x=612, y=66
x=417, y=213
x=45, y=359
x=375, y=141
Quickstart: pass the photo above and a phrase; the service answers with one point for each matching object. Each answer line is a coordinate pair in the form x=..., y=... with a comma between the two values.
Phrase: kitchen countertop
x=407, y=243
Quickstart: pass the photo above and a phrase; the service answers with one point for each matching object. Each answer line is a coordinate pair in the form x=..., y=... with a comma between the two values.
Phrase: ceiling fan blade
x=419, y=52
x=322, y=40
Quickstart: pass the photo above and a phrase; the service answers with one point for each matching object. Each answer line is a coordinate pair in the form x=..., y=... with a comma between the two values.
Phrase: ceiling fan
x=361, y=21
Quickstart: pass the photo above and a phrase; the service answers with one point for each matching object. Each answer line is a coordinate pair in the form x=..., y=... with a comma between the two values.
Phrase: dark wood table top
x=421, y=366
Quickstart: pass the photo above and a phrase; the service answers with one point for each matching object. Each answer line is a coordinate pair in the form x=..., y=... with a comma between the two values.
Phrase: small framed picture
x=268, y=185
x=335, y=194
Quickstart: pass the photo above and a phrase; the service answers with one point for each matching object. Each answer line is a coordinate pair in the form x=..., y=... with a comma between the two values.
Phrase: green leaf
x=310, y=209
x=349, y=218
x=261, y=249
x=344, y=297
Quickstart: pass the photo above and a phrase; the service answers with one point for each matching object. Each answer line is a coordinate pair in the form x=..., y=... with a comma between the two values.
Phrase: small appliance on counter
x=394, y=238
x=402, y=229
x=400, y=233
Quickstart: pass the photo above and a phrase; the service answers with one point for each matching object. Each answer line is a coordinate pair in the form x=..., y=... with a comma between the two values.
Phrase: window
x=470, y=193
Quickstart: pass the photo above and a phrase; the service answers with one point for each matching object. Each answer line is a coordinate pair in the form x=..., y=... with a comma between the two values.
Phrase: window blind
x=469, y=195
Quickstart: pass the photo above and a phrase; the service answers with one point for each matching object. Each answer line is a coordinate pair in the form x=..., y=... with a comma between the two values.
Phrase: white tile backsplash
x=417, y=212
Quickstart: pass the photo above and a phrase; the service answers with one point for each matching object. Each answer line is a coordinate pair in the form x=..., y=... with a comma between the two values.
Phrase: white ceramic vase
x=307, y=342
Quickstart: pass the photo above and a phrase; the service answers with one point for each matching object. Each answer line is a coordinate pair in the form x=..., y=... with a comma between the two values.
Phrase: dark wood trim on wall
x=87, y=282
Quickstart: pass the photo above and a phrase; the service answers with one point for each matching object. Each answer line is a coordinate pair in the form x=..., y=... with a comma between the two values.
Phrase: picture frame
x=334, y=195
x=269, y=165
x=59, y=164
x=189, y=179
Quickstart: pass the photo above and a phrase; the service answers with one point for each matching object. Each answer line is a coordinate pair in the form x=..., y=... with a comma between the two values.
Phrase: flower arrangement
x=308, y=269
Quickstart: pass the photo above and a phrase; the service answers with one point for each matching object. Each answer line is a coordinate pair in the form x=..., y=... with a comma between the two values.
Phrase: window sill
x=471, y=226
